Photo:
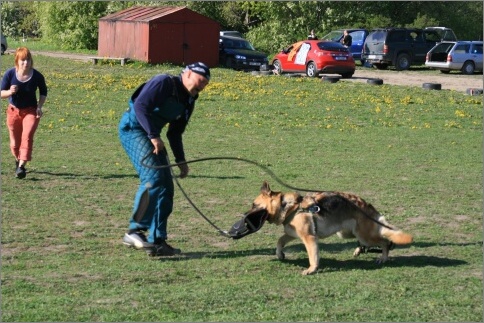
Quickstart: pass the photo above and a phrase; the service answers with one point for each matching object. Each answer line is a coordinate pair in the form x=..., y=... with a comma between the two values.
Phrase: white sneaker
x=137, y=240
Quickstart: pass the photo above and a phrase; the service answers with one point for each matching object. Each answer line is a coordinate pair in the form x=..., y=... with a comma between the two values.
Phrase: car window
x=329, y=45
x=443, y=48
x=448, y=35
x=377, y=35
x=431, y=36
x=358, y=35
x=334, y=35
x=247, y=45
x=477, y=49
x=462, y=49
x=415, y=35
x=237, y=44
x=396, y=36
x=228, y=43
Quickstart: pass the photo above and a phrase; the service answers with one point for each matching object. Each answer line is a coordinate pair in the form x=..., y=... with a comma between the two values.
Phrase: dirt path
x=453, y=81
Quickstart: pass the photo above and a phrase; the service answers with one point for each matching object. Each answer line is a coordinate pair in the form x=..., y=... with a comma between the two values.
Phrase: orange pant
x=22, y=124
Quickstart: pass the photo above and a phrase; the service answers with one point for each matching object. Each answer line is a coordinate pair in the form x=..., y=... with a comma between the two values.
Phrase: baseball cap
x=199, y=68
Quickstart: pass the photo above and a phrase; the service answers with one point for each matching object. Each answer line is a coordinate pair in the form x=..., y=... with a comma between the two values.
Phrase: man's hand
x=158, y=144
x=184, y=170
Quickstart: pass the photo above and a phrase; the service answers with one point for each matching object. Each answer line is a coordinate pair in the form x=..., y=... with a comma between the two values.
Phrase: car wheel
x=403, y=62
x=311, y=70
x=381, y=66
x=444, y=71
x=468, y=68
x=277, y=66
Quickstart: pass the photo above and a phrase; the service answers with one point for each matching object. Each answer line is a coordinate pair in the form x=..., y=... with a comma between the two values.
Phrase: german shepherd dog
x=322, y=214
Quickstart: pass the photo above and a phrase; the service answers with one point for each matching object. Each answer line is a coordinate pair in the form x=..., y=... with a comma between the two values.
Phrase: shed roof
x=142, y=13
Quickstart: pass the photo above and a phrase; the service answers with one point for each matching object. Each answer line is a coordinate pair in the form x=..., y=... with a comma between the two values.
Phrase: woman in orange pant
x=19, y=85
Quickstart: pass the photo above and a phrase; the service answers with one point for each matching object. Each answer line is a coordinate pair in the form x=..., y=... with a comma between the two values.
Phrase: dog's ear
x=265, y=189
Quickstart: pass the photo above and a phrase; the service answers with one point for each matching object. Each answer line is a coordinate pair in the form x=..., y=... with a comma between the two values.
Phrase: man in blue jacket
x=164, y=99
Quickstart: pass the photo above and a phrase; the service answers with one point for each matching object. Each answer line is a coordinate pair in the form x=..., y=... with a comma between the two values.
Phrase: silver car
x=4, y=44
x=465, y=56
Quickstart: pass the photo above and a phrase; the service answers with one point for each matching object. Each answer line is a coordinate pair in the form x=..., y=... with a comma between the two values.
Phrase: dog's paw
x=381, y=260
x=280, y=255
x=357, y=252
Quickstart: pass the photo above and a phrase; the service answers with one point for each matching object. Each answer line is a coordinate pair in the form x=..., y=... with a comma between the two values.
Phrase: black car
x=239, y=54
x=401, y=47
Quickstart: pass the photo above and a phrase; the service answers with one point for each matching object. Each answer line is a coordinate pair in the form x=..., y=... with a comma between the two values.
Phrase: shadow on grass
x=369, y=263
x=112, y=176
x=365, y=261
x=31, y=175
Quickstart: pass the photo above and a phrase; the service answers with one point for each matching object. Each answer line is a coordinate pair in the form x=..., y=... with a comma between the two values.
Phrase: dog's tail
x=397, y=236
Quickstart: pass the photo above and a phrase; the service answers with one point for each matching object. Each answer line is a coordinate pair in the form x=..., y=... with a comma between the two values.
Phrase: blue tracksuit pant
x=158, y=181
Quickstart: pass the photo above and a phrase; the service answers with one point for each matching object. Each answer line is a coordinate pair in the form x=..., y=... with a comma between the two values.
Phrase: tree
x=71, y=25
x=19, y=19
x=269, y=25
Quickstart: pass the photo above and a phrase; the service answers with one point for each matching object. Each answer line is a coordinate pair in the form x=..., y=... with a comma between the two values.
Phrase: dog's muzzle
x=251, y=222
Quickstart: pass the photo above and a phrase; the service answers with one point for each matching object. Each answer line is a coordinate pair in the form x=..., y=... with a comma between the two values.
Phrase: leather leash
x=265, y=168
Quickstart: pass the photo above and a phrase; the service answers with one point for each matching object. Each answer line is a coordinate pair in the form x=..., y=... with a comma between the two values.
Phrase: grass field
x=415, y=154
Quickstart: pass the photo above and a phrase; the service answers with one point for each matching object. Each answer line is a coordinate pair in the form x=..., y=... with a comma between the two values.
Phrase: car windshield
x=333, y=46
x=237, y=44
x=335, y=35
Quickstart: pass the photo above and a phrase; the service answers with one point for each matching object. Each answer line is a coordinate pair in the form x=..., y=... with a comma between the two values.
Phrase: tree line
x=269, y=25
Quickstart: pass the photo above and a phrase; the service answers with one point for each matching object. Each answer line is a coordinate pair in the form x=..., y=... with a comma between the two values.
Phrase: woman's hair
x=23, y=53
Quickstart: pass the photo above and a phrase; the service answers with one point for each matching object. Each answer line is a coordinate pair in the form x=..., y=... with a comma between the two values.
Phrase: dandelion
x=460, y=113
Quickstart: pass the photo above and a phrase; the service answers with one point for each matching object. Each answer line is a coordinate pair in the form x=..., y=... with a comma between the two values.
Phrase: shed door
x=166, y=43
x=183, y=43
x=201, y=43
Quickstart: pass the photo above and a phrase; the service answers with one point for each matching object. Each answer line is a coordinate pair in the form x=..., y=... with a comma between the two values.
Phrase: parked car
x=465, y=56
x=401, y=47
x=239, y=54
x=358, y=39
x=4, y=44
x=232, y=33
x=314, y=57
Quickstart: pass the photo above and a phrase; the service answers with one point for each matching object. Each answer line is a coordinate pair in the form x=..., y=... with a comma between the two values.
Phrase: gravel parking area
x=453, y=81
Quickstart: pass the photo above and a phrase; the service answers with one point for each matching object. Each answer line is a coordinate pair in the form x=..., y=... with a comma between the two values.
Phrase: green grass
x=415, y=154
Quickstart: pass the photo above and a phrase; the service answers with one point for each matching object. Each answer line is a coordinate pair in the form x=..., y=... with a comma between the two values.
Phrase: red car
x=314, y=57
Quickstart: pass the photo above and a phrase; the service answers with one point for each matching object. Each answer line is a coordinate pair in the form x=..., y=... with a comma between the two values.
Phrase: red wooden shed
x=155, y=35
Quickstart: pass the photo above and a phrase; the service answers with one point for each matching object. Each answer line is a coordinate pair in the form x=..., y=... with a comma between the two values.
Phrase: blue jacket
x=160, y=101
